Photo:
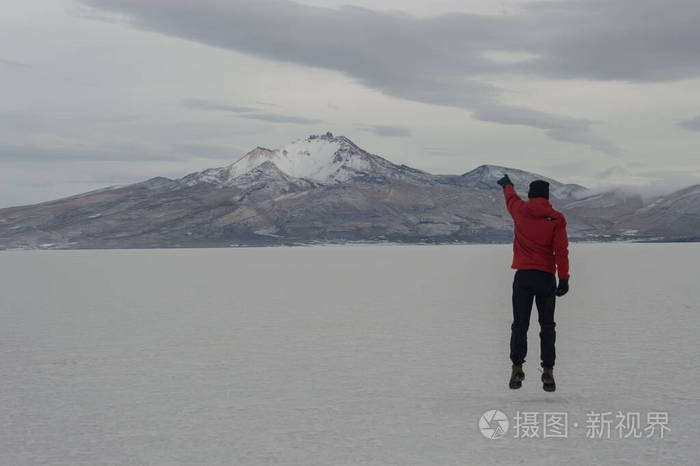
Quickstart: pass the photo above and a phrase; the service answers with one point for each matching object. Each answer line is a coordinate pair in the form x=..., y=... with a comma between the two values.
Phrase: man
x=540, y=249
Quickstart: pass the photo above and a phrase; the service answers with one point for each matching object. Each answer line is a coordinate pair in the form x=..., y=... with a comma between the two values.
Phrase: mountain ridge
x=326, y=189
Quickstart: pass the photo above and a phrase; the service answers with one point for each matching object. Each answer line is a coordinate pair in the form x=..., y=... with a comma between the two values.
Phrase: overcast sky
x=103, y=92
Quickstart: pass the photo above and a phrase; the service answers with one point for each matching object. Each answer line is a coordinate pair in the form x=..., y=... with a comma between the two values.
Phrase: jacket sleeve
x=513, y=201
x=561, y=249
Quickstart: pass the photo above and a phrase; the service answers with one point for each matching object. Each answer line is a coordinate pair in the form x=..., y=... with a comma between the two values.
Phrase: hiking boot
x=516, y=377
x=548, y=379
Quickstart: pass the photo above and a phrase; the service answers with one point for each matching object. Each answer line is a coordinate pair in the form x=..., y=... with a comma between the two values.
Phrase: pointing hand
x=504, y=181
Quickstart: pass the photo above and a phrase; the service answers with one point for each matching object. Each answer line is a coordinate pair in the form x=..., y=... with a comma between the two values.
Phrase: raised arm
x=513, y=201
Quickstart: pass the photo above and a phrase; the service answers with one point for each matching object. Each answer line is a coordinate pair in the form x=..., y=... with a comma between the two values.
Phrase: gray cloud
x=691, y=125
x=216, y=106
x=275, y=118
x=31, y=137
x=13, y=63
x=642, y=41
x=439, y=151
x=18, y=153
x=558, y=128
x=267, y=104
x=209, y=151
x=387, y=130
x=250, y=113
x=24, y=122
x=444, y=60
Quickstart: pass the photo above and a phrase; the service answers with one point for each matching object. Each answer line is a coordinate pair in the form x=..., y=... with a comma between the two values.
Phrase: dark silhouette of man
x=540, y=250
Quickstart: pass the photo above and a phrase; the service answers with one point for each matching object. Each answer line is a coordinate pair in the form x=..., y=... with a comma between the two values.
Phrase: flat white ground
x=378, y=355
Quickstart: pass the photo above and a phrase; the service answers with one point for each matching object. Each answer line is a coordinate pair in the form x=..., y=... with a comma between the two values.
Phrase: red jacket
x=540, y=235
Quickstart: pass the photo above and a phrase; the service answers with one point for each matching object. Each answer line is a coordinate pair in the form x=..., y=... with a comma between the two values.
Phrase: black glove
x=563, y=287
x=504, y=181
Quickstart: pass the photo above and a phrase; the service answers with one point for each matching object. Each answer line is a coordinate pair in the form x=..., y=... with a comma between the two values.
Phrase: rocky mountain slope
x=325, y=189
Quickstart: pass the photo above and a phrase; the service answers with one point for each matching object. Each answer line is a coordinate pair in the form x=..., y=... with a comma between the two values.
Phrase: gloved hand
x=504, y=181
x=563, y=287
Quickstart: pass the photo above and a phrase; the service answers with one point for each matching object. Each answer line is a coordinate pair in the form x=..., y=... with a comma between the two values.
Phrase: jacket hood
x=539, y=207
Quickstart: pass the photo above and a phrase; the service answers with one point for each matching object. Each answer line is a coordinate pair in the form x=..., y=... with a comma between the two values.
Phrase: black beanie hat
x=539, y=188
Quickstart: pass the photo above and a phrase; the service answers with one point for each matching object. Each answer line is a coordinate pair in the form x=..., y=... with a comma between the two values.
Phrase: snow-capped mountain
x=328, y=160
x=485, y=177
x=323, y=159
x=674, y=216
x=326, y=189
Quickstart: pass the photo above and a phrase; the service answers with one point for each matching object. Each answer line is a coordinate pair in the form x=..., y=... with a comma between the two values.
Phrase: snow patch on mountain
x=322, y=159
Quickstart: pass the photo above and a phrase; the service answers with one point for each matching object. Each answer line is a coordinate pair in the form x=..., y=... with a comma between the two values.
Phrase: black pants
x=540, y=286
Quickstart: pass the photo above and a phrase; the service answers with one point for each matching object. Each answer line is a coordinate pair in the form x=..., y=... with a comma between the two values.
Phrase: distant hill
x=325, y=189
